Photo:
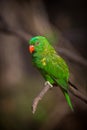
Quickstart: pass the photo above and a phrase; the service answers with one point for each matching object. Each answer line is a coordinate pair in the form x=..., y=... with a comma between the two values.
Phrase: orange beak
x=31, y=48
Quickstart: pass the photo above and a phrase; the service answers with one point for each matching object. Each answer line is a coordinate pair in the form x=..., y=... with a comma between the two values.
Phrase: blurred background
x=64, y=23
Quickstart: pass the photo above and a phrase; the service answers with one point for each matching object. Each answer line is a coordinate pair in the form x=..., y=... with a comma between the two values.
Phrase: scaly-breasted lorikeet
x=53, y=68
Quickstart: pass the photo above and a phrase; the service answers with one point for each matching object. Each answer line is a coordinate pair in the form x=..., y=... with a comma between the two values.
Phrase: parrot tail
x=68, y=100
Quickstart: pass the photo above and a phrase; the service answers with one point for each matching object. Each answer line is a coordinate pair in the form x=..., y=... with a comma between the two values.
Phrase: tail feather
x=68, y=100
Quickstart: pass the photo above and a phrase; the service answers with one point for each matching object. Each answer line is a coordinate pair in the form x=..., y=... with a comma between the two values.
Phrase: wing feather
x=57, y=69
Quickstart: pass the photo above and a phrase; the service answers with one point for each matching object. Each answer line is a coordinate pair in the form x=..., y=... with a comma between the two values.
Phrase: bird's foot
x=48, y=83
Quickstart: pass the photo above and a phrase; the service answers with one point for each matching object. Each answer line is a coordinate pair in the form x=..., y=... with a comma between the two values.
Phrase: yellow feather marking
x=43, y=61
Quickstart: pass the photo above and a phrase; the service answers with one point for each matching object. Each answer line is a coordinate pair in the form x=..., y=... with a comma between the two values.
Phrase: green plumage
x=51, y=65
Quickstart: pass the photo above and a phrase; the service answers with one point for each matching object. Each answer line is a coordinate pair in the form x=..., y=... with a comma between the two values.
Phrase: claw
x=48, y=83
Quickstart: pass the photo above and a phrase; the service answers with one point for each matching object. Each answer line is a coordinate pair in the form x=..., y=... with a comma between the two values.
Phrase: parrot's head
x=38, y=44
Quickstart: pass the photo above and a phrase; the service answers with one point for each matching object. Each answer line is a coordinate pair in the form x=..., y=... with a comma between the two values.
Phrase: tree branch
x=73, y=56
x=39, y=97
x=78, y=94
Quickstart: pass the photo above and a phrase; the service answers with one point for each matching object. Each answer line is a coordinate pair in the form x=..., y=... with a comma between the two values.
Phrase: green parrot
x=53, y=68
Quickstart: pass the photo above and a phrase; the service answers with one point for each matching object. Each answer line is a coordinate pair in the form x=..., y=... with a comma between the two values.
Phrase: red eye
x=37, y=43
